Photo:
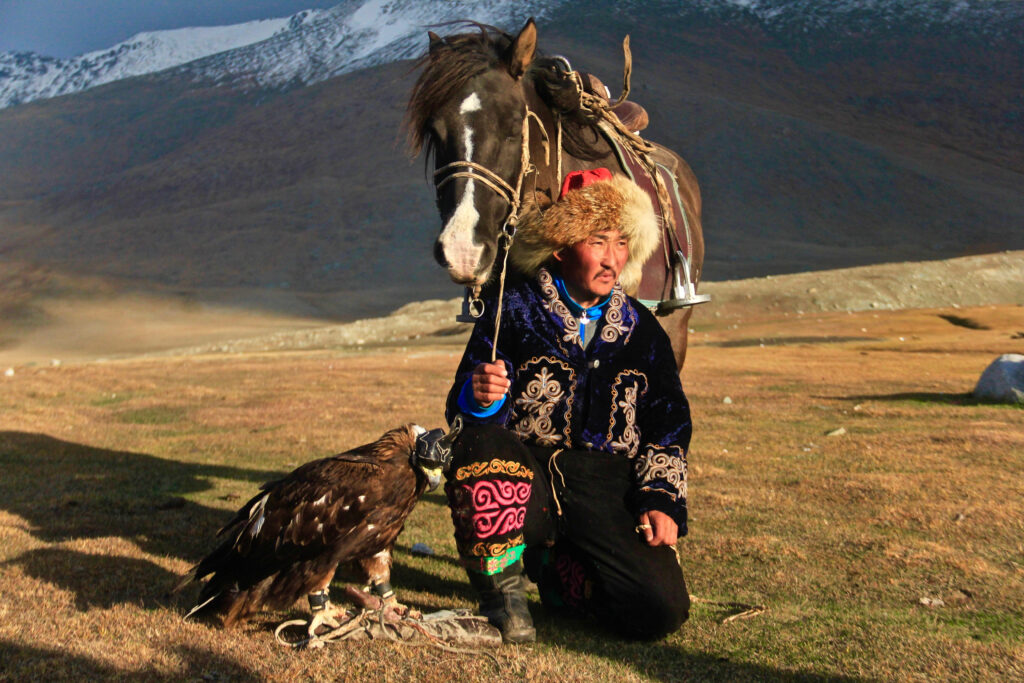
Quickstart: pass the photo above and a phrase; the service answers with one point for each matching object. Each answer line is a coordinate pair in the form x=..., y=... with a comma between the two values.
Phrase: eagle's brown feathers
x=288, y=540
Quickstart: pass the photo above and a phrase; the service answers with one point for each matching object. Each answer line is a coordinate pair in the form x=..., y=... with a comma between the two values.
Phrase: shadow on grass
x=67, y=490
x=662, y=660
x=27, y=663
x=407, y=578
x=434, y=499
x=963, y=399
x=437, y=557
x=98, y=580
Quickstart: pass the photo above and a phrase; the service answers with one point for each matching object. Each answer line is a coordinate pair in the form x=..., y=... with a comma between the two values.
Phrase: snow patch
x=314, y=45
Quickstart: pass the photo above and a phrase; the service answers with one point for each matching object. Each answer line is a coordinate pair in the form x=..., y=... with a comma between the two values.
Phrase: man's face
x=591, y=267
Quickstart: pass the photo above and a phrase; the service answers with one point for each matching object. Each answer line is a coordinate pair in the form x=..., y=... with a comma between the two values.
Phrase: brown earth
x=849, y=485
x=47, y=318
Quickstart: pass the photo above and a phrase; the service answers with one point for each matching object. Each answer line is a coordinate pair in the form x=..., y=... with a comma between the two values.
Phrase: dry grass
x=116, y=475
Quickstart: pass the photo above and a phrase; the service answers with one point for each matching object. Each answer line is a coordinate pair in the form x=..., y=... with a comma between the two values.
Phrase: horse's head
x=467, y=108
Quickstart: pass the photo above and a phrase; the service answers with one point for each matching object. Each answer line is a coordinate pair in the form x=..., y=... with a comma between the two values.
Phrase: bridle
x=513, y=197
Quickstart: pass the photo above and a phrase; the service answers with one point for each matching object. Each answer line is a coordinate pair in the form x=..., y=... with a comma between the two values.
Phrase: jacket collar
x=616, y=324
x=590, y=312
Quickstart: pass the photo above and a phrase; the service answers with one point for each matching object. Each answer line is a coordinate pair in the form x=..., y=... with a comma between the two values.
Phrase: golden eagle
x=288, y=541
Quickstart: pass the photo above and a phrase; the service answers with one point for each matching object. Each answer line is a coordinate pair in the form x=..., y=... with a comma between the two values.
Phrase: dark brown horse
x=489, y=110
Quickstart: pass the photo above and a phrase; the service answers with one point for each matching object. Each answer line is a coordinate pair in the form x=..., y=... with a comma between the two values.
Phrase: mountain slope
x=305, y=49
x=830, y=152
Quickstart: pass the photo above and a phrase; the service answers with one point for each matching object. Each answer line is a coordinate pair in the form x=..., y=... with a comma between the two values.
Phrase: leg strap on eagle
x=382, y=590
x=319, y=600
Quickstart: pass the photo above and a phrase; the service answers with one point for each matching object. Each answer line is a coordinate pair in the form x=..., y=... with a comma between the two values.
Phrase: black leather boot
x=503, y=602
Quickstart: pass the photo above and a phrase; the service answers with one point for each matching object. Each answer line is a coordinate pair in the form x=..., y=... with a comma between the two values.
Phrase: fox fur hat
x=602, y=202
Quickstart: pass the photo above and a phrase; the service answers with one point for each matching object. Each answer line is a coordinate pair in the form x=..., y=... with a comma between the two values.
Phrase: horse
x=503, y=125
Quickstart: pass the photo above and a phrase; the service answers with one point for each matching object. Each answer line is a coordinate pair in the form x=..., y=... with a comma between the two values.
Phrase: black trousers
x=569, y=510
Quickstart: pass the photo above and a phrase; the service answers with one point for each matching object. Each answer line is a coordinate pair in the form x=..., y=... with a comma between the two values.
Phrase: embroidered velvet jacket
x=620, y=395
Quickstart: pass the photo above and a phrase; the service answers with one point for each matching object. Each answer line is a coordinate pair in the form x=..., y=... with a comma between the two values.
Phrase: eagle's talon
x=396, y=611
x=324, y=617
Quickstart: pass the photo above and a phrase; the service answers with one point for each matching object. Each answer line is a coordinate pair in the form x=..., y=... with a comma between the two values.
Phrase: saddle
x=667, y=283
x=632, y=115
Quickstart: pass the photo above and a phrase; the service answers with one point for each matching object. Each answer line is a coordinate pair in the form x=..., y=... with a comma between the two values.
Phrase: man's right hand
x=490, y=383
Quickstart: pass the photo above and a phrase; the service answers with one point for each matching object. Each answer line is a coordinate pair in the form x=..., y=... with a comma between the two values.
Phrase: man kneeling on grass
x=573, y=459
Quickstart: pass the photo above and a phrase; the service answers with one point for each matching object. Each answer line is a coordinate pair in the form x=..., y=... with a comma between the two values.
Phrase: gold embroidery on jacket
x=633, y=385
x=614, y=327
x=668, y=465
x=558, y=307
x=536, y=405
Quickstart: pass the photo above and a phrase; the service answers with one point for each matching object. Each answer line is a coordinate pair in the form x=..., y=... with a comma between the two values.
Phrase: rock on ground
x=1003, y=380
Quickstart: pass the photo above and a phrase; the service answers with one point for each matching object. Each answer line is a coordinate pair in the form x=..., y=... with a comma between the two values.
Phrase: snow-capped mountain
x=306, y=48
x=999, y=19
x=27, y=76
x=856, y=15
x=314, y=45
x=353, y=35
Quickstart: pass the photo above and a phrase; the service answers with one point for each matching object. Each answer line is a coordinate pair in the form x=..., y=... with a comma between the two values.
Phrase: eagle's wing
x=288, y=539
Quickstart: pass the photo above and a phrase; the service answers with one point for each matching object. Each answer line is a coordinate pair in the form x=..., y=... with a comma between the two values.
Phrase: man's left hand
x=658, y=528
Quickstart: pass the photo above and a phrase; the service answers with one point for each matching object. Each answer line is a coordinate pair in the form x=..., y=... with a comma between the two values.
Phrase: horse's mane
x=446, y=70
x=463, y=56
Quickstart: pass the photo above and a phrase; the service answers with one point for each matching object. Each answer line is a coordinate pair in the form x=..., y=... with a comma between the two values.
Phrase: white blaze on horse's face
x=457, y=239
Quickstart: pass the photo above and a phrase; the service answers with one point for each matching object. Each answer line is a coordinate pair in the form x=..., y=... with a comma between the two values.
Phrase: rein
x=513, y=196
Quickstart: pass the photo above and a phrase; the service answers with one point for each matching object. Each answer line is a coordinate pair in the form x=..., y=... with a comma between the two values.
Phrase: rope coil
x=358, y=626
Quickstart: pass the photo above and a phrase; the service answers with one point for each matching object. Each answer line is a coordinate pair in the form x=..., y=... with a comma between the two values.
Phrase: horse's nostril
x=439, y=255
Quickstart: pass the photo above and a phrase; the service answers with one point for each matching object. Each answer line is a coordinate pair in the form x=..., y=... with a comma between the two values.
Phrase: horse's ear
x=520, y=53
x=436, y=41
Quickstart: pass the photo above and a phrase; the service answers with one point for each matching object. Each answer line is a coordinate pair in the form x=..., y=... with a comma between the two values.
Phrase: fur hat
x=598, y=205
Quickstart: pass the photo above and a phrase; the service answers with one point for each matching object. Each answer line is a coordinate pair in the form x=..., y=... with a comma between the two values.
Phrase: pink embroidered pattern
x=487, y=524
x=499, y=506
x=573, y=578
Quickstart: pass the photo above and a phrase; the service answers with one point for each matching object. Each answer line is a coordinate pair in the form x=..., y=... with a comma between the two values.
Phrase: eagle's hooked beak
x=433, y=453
x=433, y=477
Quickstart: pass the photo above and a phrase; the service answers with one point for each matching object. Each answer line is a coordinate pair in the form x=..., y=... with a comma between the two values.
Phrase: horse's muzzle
x=465, y=271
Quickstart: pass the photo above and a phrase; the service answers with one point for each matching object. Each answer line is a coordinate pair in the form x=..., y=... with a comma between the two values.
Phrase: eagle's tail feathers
x=190, y=577
x=201, y=605
x=245, y=513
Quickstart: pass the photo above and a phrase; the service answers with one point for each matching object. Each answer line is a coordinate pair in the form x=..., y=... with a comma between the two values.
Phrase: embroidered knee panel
x=488, y=503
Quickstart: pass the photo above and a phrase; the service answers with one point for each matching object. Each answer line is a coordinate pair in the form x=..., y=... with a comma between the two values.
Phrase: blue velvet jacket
x=620, y=395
